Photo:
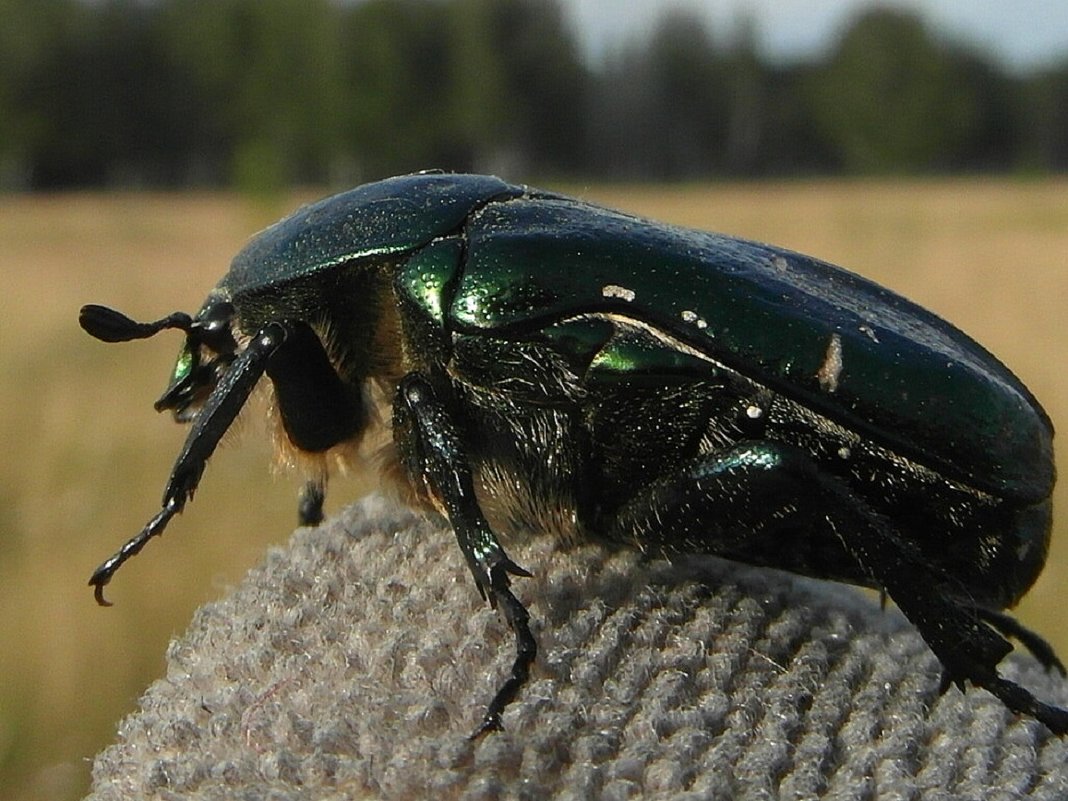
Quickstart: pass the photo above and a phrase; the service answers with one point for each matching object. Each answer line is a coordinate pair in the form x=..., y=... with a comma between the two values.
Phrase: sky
x=1023, y=34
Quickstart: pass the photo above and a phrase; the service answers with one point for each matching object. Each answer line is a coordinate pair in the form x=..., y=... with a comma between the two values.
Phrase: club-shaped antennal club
x=109, y=325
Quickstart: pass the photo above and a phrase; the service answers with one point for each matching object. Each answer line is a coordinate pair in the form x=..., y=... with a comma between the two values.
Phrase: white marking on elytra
x=691, y=317
x=831, y=368
x=616, y=291
x=867, y=329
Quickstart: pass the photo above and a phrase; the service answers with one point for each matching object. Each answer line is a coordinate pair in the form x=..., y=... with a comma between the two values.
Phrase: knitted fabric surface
x=356, y=662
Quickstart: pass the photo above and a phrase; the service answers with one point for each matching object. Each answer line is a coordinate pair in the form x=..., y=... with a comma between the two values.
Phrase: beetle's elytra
x=553, y=367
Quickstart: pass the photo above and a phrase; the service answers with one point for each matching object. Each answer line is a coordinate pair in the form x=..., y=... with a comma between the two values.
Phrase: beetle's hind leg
x=768, y=503
x=435, y=457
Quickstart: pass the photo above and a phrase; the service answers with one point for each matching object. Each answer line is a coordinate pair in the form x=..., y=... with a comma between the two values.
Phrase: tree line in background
x=261, y=93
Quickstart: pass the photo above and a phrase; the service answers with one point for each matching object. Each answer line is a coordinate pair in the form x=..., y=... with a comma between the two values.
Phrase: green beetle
x=541, y=364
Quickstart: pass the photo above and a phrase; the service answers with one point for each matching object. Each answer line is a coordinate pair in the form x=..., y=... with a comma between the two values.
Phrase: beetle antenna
x=109, y=325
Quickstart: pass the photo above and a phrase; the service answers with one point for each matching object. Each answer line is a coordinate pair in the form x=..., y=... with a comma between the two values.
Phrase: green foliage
x=265, y=93
x=394, y=70
x=268, y=77
x=659, y=104
x=1046, y=141
x=892, y=98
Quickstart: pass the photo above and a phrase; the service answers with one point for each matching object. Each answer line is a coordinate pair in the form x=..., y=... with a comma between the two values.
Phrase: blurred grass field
x=86, y=457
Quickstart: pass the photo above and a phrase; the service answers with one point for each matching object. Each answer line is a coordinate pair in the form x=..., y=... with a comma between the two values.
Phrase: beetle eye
x=180, y=393
x=186, y=363
x=208, y=349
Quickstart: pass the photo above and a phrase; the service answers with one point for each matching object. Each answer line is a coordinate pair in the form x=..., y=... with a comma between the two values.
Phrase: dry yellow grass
x=86, y=458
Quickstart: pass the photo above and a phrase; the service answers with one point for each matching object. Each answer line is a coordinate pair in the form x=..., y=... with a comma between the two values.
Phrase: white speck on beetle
x=615, y=291
x=754, y=412
x=831, y=368
x=844, y=452
x=867, y=329
x=689, y=316
x=780, y=264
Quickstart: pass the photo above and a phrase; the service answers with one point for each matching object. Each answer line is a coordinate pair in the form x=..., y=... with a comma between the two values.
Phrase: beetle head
x=208, y=349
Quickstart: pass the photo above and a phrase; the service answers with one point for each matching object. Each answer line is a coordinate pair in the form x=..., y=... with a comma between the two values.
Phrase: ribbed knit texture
x=355, y=662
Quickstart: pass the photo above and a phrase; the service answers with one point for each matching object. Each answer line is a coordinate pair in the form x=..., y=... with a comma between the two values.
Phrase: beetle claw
x=98, y=593
x=507, y=566
x=490, y=723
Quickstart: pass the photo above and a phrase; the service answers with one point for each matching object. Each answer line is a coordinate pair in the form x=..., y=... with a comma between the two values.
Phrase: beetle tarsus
x=1013, y=696
x=1019, y=700
x=102, y=575
x=526, y=646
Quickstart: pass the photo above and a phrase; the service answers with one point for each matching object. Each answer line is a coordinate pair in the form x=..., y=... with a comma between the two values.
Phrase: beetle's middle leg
x=762, y=502
x=310, y=502
x=434, y=454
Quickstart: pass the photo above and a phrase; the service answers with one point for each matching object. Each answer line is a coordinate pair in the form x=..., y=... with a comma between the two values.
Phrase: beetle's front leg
x=435, y=455
x=219, y=411
x=767, y=503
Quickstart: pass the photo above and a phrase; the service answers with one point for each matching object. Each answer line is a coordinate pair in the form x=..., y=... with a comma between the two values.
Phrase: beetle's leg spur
x=437, y=456
x=751, y=499
x=220, y=409
x=1010, y=627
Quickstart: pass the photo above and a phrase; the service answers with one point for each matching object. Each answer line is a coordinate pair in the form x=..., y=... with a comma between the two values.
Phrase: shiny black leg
x=220, y=409
x=434, y=453
x=763, y=500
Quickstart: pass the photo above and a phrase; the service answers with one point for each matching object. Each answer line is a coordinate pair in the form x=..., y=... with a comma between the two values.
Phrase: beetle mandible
x=550, y=366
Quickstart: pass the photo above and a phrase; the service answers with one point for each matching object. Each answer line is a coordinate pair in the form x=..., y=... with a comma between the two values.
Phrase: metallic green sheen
x=626, y=360
x=610, y=358
x=425, y=278
x=374, y=220
x=909, y=380
x=183, y=365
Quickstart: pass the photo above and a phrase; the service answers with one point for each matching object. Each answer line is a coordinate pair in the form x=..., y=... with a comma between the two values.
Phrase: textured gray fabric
x=355, y=662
